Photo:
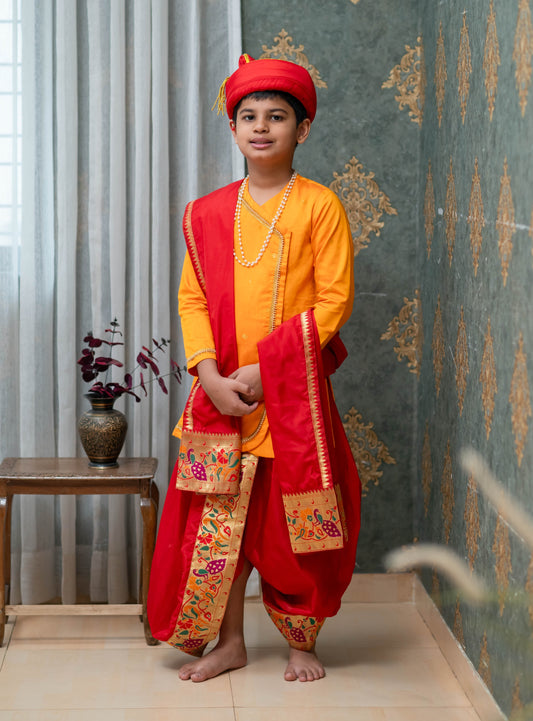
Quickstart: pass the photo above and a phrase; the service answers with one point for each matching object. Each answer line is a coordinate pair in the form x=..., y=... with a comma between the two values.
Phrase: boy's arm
x=195, y=323
x=332, y=244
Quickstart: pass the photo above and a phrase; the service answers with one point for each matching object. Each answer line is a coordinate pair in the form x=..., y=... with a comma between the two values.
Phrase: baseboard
x=408, y=588
x=477, y=693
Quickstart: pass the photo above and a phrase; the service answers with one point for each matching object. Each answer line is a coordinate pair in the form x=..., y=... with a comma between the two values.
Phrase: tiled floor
x=382, y=664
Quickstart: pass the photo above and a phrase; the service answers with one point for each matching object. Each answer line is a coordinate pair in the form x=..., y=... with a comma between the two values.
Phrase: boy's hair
x=296, y=105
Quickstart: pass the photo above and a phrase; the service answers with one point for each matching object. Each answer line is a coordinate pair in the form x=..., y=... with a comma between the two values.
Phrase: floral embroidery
x=208, y=463
x=213, y=565
x=313, y=520
x=300, y=631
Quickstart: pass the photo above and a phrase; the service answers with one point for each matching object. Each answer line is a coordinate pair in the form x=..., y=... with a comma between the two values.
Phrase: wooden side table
x=74, y=476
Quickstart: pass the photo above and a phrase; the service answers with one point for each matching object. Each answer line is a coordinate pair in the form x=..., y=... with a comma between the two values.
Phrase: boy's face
x=266, y=130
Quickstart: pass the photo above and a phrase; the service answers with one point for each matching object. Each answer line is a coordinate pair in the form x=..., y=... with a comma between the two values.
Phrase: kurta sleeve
x=195, y=324
x=332, y=243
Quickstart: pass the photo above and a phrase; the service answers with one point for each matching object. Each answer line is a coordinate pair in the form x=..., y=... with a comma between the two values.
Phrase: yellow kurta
x=308, y=264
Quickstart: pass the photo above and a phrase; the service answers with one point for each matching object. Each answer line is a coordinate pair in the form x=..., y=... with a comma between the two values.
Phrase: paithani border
x=191, y=246
x=227, y=450
x=314, y=400
x=313, y=520
x=299, y=631
x=187, y=413
x=206, y=593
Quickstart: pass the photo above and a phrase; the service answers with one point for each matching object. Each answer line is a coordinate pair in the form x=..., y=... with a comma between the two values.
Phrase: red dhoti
x=278, y=521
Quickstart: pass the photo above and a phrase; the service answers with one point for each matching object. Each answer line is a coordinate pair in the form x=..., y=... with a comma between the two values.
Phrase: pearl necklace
x=251, y=263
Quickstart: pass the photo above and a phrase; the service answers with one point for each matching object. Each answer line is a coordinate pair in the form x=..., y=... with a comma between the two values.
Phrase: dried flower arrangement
x=92, y=366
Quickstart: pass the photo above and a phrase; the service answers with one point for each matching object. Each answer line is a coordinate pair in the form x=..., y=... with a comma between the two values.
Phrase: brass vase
x=102, y=431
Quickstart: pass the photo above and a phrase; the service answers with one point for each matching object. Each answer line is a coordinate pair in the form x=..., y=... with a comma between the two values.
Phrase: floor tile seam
x=86, y=709
x=369, y=707
x=349, y=707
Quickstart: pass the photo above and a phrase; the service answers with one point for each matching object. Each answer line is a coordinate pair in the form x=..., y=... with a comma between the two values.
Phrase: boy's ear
x=232, y=126
x=303, y=130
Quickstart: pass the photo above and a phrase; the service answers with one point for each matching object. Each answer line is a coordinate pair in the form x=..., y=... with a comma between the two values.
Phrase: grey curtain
x=117, y=136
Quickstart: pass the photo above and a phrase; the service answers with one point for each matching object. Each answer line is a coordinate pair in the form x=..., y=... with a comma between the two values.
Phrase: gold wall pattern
x=363, y=201
x=440, y=74
x=487, y=378
x=529, y=590
x=409, y=78
x=450, y=213
x=516, y=703
x=464, y=68
x=458, y=624
x=429, y=210
x=406, y=329
x=471, y=518
x=520, y=400
x=476, y=218
x=468, y=188
x=484, y=663
x=368, y=451
x=491, y=59
x=505, y=224
x=462, y=369
x=427, y=473
x=503, y=567
x=437, y=346
x=522, y=52
x=448, y=498
x=282, y=49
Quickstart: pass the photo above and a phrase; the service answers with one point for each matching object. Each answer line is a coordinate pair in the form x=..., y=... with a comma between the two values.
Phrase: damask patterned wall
x=367, y=151
x=425, y=129
x=476, y=279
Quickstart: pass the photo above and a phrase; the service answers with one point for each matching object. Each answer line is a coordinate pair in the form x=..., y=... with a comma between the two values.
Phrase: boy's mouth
x=261, y=143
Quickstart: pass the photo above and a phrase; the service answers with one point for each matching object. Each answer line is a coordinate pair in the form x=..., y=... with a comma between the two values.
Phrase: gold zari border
x=313, y=520
x=314, y=403
x=213, y=565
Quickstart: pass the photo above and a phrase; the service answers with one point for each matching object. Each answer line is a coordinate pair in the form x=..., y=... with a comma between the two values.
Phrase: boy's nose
x=260, y=125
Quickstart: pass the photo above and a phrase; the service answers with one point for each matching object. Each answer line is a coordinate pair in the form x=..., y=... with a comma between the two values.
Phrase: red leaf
x=91, y=341
x=143, y=386
x=144, y=362
x=163, y=386
x=105, y=362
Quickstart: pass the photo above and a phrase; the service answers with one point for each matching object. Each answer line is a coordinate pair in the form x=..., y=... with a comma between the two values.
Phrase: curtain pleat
x=66, y=113
x=117, y=137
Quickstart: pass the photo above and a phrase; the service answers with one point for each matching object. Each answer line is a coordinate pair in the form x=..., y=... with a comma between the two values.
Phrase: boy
x=265, y=476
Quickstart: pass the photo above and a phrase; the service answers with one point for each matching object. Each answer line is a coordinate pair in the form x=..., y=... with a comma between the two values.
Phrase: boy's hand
x=226, y=394
x=250, y=375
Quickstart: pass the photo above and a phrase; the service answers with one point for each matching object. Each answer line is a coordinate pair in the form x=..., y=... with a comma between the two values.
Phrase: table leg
x=3, y=514
x=7, y=550
x=149, y=504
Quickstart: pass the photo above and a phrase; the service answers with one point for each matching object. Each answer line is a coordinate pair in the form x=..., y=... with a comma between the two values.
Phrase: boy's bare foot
x=224, y=657
x=303, y=666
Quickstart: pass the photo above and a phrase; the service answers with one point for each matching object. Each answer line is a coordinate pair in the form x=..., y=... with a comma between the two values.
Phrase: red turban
x=270, y=74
